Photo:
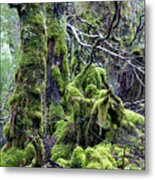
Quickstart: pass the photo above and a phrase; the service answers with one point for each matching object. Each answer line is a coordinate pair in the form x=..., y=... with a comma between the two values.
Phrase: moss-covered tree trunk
x=26, y=101
x=36, y=103
x=57, y=76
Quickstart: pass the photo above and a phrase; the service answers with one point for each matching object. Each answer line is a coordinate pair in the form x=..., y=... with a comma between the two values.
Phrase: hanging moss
x=56, y=111
x=94, y=75
x=102, y=73
x=73, y=63
x=91, y=90
x=72, y=92
x=101, y=108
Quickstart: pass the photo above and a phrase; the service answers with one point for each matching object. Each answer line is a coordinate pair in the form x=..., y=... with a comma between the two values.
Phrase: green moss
x=110, y=135
x=101, y=108
x=72, y=92
x=92, y=155
x=106, y=153
x=133, y=117
x=39, y=149
x=30, y=155
x=56, y=32
x=18, y=157
x=65, y=69
x=73, y=62
x=65, y=132
x=56, y=75
x=99, y=157
x=63, y=162
x=119, y=152
x=11, y=158
x=56, y=113
x=132, y=166
x=61, y=151
x=16, y=96
x=26, y=100
x=91, y=90
x=94, y=165
x=60, y=127
x=92, y=76
x=6, y=130
x=102, y=74
x=102, y=93
x=35, y=115
x=78, y=159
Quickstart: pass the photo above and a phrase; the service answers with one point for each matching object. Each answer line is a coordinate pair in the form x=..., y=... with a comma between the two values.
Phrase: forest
x=72, y=85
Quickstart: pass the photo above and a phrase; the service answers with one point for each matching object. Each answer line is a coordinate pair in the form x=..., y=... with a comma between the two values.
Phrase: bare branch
x=95, y=45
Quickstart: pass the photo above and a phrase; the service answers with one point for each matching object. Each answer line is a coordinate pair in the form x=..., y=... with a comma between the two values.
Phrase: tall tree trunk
x=26, y=101
x=57, y=75
x=43, y=72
